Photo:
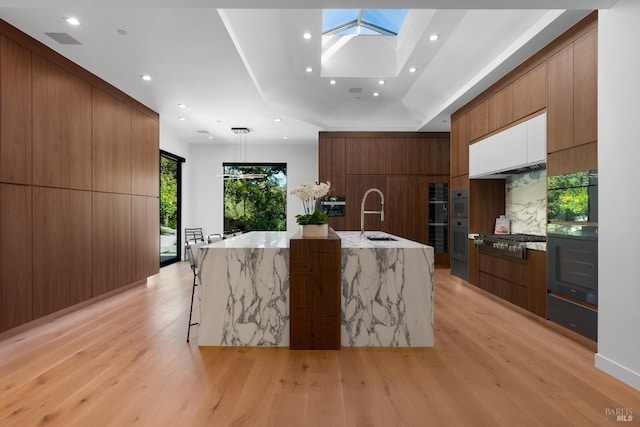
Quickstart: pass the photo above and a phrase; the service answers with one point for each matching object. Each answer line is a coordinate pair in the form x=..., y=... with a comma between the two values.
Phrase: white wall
x=203, y=190
x=619, y=204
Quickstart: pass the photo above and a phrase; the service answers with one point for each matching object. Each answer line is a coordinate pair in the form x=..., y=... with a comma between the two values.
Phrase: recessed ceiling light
x=182, y=118
x=285, y=137
x=306, y=36
x=434, y=37
x=122, y=32
x=376, y=94
x=72, y=21
x=413, y=69
x=277, y=119
x=182, y=106
x=332, y=82
x=145, y=77
x=381, y=82
x=210, y=137
x=309, y=69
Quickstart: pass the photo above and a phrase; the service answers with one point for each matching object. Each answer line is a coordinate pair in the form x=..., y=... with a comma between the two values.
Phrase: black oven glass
x=460, y=239
x=573, y=267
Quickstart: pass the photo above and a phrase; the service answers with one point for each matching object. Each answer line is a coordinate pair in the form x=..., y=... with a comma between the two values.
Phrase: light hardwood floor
x=124, y=361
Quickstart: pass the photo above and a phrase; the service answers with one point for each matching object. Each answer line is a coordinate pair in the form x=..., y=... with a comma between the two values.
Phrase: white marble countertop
x=255, y=239
x=280, y=239
x=354, y=240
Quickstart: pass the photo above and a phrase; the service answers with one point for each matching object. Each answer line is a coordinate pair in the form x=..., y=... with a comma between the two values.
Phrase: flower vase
x=315, y=230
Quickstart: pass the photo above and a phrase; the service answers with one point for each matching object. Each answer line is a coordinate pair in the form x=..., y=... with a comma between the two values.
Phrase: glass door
x=170, y=207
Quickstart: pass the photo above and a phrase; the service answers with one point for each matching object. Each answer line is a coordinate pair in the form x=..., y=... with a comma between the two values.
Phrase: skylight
x=343, y=22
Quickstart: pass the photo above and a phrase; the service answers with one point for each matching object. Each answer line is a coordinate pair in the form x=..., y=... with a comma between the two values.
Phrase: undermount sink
x=381, y=238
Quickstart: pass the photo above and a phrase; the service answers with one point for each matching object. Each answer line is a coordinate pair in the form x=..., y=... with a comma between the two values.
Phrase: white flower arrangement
x=309, y=194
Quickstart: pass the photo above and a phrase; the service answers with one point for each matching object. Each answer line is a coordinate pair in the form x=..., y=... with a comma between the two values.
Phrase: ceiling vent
x=202, y=131
x=63, y=38
x=355, y=90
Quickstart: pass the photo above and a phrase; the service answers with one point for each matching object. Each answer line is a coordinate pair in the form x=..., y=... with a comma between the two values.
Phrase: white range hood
x=515, y=150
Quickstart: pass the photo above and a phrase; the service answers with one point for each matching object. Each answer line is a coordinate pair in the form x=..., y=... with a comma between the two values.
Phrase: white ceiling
x=236, y=64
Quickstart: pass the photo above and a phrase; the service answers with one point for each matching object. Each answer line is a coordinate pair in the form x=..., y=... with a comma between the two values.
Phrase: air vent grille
x=63, y=38
x=355, y=90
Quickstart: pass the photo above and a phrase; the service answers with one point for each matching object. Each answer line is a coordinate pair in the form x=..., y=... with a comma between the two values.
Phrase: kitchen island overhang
x=386, y=295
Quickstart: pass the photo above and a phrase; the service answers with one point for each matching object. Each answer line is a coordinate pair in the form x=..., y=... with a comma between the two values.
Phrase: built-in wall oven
x=460, y=204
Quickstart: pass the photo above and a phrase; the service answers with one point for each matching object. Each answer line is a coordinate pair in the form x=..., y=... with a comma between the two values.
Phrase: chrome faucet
x=362, y=211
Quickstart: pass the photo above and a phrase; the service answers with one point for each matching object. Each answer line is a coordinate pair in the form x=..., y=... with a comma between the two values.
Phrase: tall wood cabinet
x=79, y=183
x=400, y=164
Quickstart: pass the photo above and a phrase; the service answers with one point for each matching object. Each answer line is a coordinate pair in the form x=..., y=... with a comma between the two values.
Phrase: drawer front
x=576, y=317
x=512, y=270
x=509, y=291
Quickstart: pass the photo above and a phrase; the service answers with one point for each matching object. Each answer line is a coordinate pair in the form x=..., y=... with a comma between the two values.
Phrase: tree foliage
x=168, y=193
x=255, y=204
x=568, y=198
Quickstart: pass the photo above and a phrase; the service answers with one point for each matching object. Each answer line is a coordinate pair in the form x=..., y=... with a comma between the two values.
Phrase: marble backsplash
x=526, y=202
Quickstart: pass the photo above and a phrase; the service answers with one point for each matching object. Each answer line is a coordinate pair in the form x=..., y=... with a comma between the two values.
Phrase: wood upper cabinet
x=61, y=127
x=365, y=156
x=332, y=163
x=585, y=93
x=122, y=148
x=560, y=100
x=501, y=108
x=572, y=94
x=16, y=239
x=145, y=155
x=479, y=121
x=15, y=113
x=427, y=156
x=459, y=145
x=530, y=92
x=102, y=140
x=395, y=155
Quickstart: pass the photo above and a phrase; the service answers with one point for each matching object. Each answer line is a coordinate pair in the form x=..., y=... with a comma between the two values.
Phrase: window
x=381, y=22
x=255, y=197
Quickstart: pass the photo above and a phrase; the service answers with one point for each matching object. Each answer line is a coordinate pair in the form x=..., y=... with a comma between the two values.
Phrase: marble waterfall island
x=386, y=295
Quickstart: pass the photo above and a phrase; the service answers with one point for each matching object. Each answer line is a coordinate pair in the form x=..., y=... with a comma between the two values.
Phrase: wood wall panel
x=152, y=229
x=501, y=108
x=394, y=156
x=479, y=121
x=459, y=183
x=576, y=159
x=332, y=163
x=123, y=259
x=406, y=208
x=78, y=252
x=63, y=131
x=49, y=239
x=427, y=155
x=103, y=242
x=357, y=185
x=459, y=159
x=122, y=148
x=103, y=111
x=16, y=282
x=530, y=92
x=139, y=238
x=15, y=113
x=145, y=157
x=560, y=100
x=585, y=95
x=61, y=127
x=486, y=203
x=365, y=156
